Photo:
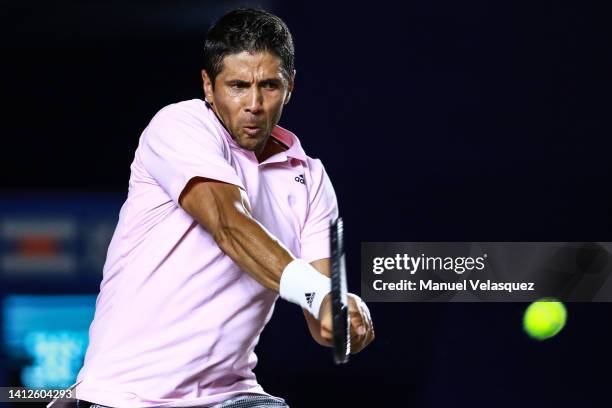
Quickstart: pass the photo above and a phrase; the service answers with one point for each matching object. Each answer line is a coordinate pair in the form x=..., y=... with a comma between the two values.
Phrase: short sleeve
x=177, y=146
x=323, y=207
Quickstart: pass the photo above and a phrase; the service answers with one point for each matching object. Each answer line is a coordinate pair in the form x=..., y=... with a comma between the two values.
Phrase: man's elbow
x=218, y=207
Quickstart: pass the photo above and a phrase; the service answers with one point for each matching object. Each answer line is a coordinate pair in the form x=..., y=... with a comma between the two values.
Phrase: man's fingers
x=359, y=334
x=366, y=313
x=326, y=333
x=358, y=323
x=359, y=327
x=362, y=328
x=367, y=318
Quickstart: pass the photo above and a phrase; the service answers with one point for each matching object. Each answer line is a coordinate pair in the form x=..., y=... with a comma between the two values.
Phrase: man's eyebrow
x=237, y=82
x=267, y=81
x=274, y=81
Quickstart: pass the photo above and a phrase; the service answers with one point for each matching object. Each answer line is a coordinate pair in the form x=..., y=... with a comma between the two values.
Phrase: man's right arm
x=191, y=165
x=223, y=210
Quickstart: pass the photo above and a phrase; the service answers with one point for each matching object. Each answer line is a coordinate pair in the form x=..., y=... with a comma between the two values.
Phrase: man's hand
x=362, y=329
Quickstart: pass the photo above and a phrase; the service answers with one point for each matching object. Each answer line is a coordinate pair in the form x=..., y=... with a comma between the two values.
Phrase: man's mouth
x=251, y=130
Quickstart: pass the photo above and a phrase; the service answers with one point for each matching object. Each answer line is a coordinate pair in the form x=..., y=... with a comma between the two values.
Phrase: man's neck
x=271, y=148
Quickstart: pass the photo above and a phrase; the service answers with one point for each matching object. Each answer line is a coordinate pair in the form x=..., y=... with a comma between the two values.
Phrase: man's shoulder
x=189, y=117
x=194, y=109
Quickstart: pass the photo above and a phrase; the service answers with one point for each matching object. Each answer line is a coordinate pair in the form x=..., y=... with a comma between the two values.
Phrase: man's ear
x=290, y=86
x=208, y=87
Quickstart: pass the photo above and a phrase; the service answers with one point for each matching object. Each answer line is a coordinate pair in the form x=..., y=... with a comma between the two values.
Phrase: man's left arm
x=362, y=329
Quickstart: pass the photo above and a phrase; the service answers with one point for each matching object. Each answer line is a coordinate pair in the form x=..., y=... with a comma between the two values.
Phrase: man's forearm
x=223, y=210
x=252, y=247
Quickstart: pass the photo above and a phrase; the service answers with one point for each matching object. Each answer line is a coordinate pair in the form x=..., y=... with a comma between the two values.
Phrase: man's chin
x=250, y=143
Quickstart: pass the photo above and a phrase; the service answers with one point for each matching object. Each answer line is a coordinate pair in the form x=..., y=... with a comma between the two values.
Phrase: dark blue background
x=437, y=121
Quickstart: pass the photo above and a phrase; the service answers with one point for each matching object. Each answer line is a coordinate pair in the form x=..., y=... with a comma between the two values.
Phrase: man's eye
x=269, y=85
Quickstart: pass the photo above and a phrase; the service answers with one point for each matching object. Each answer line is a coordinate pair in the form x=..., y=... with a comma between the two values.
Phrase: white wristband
x=303, y=285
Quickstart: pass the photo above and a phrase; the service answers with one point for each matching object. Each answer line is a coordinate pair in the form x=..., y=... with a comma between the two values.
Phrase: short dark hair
x=252, y=30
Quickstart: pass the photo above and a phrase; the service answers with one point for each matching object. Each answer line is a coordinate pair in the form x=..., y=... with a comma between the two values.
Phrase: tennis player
x=225, y=212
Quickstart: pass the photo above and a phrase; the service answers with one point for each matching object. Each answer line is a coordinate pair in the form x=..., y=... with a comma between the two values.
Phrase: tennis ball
x=544, y=318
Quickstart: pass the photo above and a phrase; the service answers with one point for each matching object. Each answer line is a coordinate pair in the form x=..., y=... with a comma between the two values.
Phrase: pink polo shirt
x=176, y=320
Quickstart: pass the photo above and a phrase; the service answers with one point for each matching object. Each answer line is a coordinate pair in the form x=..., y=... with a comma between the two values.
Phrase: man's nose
x=254, y=101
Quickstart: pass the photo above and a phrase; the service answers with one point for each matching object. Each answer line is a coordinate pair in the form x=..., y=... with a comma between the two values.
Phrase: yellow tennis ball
x=544, y=318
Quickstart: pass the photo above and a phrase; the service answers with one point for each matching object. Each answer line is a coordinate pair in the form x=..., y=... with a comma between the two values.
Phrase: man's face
x=249, y=95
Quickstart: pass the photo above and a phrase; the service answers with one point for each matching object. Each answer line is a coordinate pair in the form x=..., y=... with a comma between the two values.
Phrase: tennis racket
x=340, y=321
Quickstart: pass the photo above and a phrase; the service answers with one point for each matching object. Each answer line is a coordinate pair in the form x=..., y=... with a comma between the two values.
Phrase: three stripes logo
x=309, y=298
x=300, y=179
